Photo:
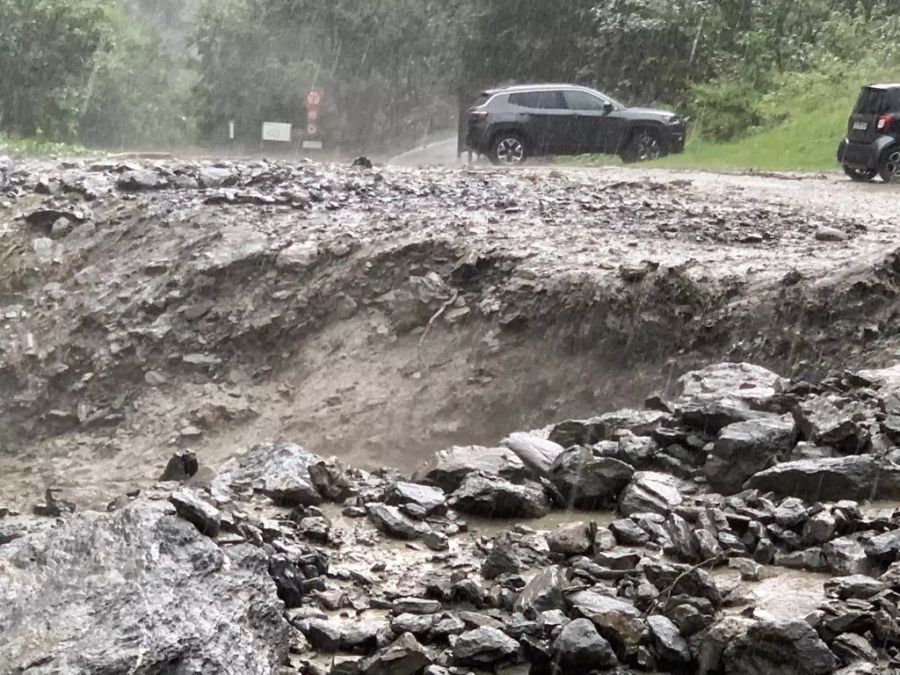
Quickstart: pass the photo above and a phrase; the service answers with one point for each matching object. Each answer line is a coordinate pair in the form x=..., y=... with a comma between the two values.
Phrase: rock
x=750, y=570
x=588, y=481
x=779, y=648
x=749, y=383
x=277, y=470
x=323, y=635
x=830, y=234
x=431, y=499
x=790, y=513
x=495, y=497
x=415, y=606
x=392, y=522
x=141, y=179
x=709, y=415
x=43, y=249
x=449, y=467
x=857, y=586
x=683, y=580
x=502, y=559
x=668, y=644
x=835, y=421
x=196, y=606
x=579, y=649
x=58, y=501
x=484, y=647
x=214, y=177
x=852, y=648
x=181, y=466
x=60, y=228
x=884, y=548
x=745, y=448
x=650, y=492
x=813, y=480
x=538, y=454
x=544, y=592
x=846, y=556
x=710, y=644
x=571, y=539
x=617, y=620
x=820, y=528
x=404, y=656
x=891, y=576
x=203, y=515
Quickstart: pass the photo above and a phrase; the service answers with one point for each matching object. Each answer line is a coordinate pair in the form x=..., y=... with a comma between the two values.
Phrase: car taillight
x=478, y=115
x=884, y=123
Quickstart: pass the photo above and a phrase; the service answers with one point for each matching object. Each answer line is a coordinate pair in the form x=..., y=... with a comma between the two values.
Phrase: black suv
x=512, y=124
x=872, y=144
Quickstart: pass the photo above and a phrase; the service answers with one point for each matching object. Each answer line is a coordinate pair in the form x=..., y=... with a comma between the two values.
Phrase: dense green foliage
x=162, y=72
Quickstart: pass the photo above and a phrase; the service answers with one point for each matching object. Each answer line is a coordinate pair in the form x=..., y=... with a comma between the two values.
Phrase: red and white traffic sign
x=312, y=115
x=314, y=98
x=312, y=129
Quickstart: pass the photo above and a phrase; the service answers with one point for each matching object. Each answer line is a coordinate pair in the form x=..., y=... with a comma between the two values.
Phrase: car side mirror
x=608, y=107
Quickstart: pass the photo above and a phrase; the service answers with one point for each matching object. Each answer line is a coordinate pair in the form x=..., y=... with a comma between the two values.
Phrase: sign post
x=313, y=107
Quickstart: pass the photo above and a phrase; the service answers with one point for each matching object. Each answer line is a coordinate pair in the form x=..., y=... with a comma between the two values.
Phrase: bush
x=724, y=110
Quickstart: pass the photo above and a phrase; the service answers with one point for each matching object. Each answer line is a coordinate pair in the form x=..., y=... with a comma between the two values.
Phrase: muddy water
x=782, y=594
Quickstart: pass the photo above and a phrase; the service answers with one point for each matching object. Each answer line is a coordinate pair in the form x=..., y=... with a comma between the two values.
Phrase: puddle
x=782, y=595
x=491, y=527
x=880, y=509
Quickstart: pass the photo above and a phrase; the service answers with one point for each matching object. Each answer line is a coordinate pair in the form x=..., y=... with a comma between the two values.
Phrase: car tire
x=889, y=167
x=644, y=145
x=860, y=175
x=508, y=149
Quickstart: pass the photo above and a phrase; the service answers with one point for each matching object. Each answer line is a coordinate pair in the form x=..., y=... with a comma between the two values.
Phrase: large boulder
x=617, y=620
x=580, y=649
x=587, y=480
x=544, y=592
x=278, y=470
x=484, y=647
x=836, y=421
x=429, y=499
x=391, y=521
x=448, y=468
x=607, y=426
x=745, y=448
x=537, y=453
x=100, y=593
x=830, y=479
x=887, y=382
x=779, y=648
x=650, y=492
x=746, y=382
x=494, y=497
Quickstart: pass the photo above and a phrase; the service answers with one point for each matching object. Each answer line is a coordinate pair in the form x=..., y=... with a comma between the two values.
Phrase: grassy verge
x=35, y=147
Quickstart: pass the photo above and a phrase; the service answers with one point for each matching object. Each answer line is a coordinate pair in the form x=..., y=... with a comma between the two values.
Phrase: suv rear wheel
x=889, y=168
x=643, y=146
x=508, y=148
x=860, y=175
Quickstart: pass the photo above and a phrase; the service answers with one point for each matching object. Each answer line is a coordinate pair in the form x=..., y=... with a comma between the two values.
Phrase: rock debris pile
x=285, y=562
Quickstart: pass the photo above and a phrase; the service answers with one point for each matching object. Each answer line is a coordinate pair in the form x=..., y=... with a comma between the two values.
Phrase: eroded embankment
x=380, y=315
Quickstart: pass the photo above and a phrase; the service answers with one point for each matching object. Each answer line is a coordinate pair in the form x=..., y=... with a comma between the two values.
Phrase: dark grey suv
x=512, y=124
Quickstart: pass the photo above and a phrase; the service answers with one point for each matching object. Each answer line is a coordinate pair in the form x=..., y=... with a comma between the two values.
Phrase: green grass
x=806, y=119
x=36, y=147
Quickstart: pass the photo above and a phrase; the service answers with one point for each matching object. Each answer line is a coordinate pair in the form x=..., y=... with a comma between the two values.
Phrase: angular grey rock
x=668, y=644
x=392, y=522
x=141, y=179
x=571, y=539
x=846, y=556
x=823, y=479
x=820, y=528
x=495, y=497
x=484, y=647
x=836, y=421
x=197, y=607
x=323, y=635
x=194, y=509
x=745, y=448
x=544, y=592
x=683, y=580
x=617, y=620
x=502, y=559
x=779, y=648
x=448, y=468
x=431, y=499
x=884, y=548
x=790, y=513
x=589, y=481
x=858, y=586
x=710, y=644
x=277, y=470
x=415, y=606
x=852, y=648
x=404, y=656
x=711, y=414
x=745, y=381
x=650, y=492
x=538, y=454
x=580, y=649
x=180, y=467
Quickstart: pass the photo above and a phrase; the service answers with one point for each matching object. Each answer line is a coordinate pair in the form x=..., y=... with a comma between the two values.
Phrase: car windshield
x=874, y=101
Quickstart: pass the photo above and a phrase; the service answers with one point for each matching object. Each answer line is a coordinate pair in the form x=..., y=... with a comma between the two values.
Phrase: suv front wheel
x=508, y=148
x=889, y=169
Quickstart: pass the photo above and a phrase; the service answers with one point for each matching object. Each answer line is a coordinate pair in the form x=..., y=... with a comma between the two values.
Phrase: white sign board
x=276, y=131
x=312, y=145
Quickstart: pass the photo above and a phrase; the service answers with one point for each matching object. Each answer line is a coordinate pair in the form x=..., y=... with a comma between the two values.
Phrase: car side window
x=581, y=100
x=539, y=100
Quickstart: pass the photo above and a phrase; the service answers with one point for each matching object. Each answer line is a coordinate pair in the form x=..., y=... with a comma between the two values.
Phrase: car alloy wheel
x=890, y=171
x=510, y=150
x=648, y=147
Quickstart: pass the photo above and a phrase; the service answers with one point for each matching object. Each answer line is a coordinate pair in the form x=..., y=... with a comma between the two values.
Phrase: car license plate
x=860, y=126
